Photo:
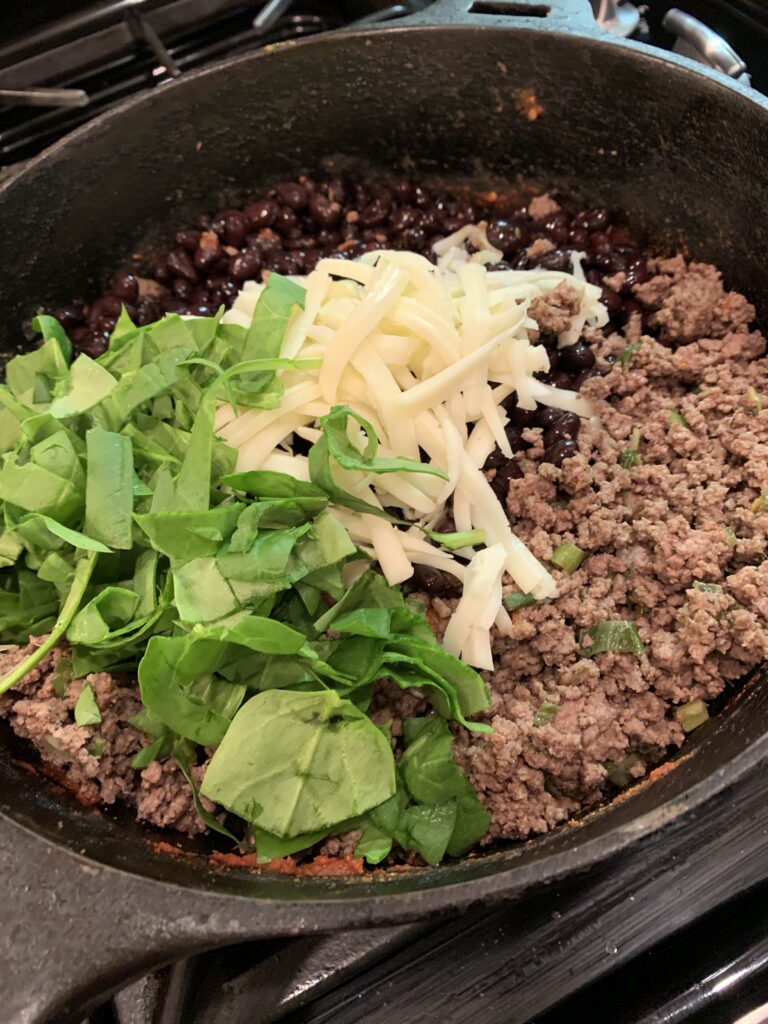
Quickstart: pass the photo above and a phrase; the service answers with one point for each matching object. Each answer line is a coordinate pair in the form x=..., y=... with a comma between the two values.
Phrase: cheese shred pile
x=427, y=354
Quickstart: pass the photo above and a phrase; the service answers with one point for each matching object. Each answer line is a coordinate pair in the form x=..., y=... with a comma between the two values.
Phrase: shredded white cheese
x=427, y=354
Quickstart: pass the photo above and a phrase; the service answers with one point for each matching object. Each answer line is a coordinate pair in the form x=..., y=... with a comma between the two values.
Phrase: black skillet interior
x=682, y=154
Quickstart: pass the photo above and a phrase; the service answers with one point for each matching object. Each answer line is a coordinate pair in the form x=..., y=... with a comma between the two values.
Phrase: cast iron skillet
x=680, y=149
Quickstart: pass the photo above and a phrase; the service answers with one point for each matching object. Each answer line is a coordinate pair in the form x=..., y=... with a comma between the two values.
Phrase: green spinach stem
x=83, y=572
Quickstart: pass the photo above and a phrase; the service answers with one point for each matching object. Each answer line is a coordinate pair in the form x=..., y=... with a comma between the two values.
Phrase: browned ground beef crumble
x=649, y=532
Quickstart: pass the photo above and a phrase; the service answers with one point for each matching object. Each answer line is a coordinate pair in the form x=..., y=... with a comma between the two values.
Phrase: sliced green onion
x=676, y=419
x=96, y=747
x=629, y=459
x=519, y=600
x=692, y=715
x=709, y=588
x=755, y=400
x=545, y=713
x=618, y=635
x=86, y=709
x=626, y=355
x=454, y=541
x=551, y=788
x=730, y=536
x=568, y=557
x=618, y=772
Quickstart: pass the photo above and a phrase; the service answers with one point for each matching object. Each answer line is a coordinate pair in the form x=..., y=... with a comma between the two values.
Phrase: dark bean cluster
x=298, y=222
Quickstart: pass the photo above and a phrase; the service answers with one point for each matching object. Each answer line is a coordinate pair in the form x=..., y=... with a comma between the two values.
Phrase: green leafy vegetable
x=86, y=709
x=616, y=635
x=568, y=557
x=109, y=488
x=295, y=762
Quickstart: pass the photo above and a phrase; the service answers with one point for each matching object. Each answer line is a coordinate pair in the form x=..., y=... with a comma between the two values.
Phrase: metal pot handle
x=558, y=15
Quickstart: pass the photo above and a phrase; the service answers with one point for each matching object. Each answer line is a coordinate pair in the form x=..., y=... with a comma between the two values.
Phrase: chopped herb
x=545, y=713
x=627, y=354
x=710, y=588
x=96, y=747
x=86, y=709
x=692, y=715
x=730, y=536
x=568, y=557
x=455, y=541
x=518, y=600
x=676, y=419
x=616, y=635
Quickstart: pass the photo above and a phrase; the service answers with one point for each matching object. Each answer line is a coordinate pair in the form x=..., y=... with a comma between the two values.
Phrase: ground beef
x=554, y=311
x=542, y=206
x=94, y=761
x=650, y=532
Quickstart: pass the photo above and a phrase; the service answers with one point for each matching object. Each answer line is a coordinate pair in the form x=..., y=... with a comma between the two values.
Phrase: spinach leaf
x=273, y=310
x=270, y=847
x=431, y=776
x=89, y=383
x=427, y=829
x=296, y=762
x=187, y=535
x=109, y=488
x=86, y=709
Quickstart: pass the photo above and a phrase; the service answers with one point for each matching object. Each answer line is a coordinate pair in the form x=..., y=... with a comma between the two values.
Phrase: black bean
x=403, y=217
x=507, y=236
x=562, y=379
x=596, y=219
x=161, y=272
x=549, y=341
x=374, y=213
x=180, y=264
x=585, y=376
x=566, y=425
x=422, y=197
x=261, y=214
x=246, y=266
x=546, y=416
x=147, y=312
x=292, y=194
x=515, y=438
x=107, y=305
x=578, y=237
x=576, y=358
x=451, y=224
x=403, y=190
x=414, y=239
x=637, y=272
x=93, y=343
x=599, y=245
x=521, y=417
x=500, y=483
x=555, y=226
x=182, y=289
x=339, y=190
x=235, y=228
x=125, y=287
x=311, y=259
x=496, y=459
x=434, y=581
x=77, y=334
x=611, y=301
x=204, y=221
x=69, y=316
x=560, y=451
x=432, y=221
x=554, y=360
x=171, y=304
x=616, y=263
x=323, y=211
x=188, y=239
x=555, y=259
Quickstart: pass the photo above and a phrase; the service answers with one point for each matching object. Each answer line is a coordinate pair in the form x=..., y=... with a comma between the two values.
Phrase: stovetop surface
x=677, y=935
